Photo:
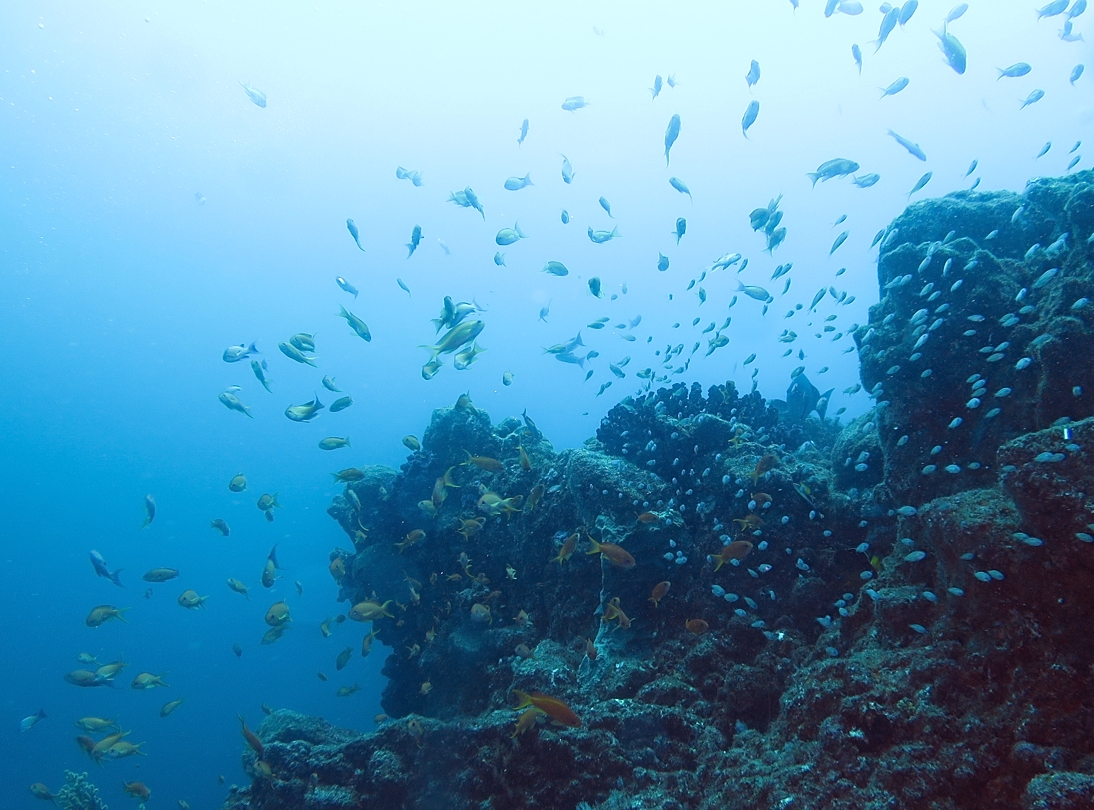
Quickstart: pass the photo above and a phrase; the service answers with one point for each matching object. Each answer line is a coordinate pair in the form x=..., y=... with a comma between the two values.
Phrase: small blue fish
x=1076, y=146
x=856, y=54
x=1076, y=9
x=839, y=241
x=679, y=185
x=1074, y=162
x=567, y=171
x=345, y=285
x=1044, y=149
x=544, y=312
x=972, y=167
x=607, y=206
x=753, y=74
x=681, y=229
x=356, y=234
x=402, y=286
x=523, y=132
x=1032, y=98
x=671, y=134
x=27, y=723
x=866, y=180
x=752, y=111
x=662, y=262
x=408, y=174
x=574, y=103
x=600, y=237
x=956, y=12
x=952, y=49
x=888, y=23
x=911, y=147
x=851, y=8
x=671, y=80
x=517, y=183
x=895, y=87
x=1014, y=71
x=565, y=217
x=1076, y=72
x=507, y=236
x=1052, y=9
x=921, y=182
x=257, y=96
x=656, y=89
x=415, y=240
x=499, y=259
x=907, y=10
x=444, y=247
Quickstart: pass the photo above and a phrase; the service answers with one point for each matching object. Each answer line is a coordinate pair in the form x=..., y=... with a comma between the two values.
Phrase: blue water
x=119, y=289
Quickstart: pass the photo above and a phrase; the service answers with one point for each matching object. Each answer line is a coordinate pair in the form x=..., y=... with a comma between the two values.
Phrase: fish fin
x=520, y=233
x=814, y=176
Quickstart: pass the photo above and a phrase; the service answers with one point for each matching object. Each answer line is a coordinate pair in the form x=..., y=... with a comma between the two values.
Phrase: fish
x=907, y=10
x=607, y=206
x=545, y=311
x=221, y=526
x=149, y=511
x=752, y=111
x=499, y=259
x=558, y=711
x=465, y=357
x=414, y=177
x=455, y=338
x=600, y=237
x=170, y=706
x=190, y=600
x=952, y=50
x=269, y=569
x=139, y=790
x=888, y=23
x=594, y=286
x=351, y=226
x=671, y=80
x=662, y=262
x=802, y=399
x=911, y=147
x=1052, y=9
x=755, y=292
x=355, y=323
x=238, y=483
x=672, y=132
x=507, y=236
x=656, y=89
x=972, y=167
x=233, y=354
x=99, y=564
x=679, y=185
x=575, y=103
x=523, y=132
x=565, y=217
x=921, y=182
x=567, y=172
x=839, y=241
x=866, y=180
x=517, y=183
x=27, y=723
x=837, y=167
x=255, y=95
x=340, y=404
x=294, y=353
x=370, y=610
x=40, y=791
x=957, y=12
x=681, y=229
x=753, y=74
x=856, y=54
x=1032, y=98
x=696, y=627
x=345, y=285
x=1076, y=72
x=328, y=383
x=895, y=87
x=160, y=574
x=1014, y=71
x=95, y=725
x=447, y=252
x=615, y=554
x=238, y=587
x=303, y=341
x=256, y=367
x=146, y=680
x=334, y=443
x=253, y=742
x=305, y=412
x=415, y=240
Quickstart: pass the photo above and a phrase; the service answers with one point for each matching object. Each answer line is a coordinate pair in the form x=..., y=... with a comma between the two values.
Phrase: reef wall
x=844, y=626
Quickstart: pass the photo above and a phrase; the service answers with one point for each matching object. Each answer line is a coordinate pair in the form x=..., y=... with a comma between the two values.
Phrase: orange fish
x=749, y=522
x=337, y=569
x=526, y=721
x=251, y=738
x=613, y=611
x=616, y=555
x=648, y=517
x=696, y=626
x=411, y=538
x=590, y=649
x=525, y=462
x=552, y=707
x=659, y=591
x=138, y=790
x=765, y=463
x=493, y=504
x=484, y=463
x=737, y=550
x=524, y=651
x=567, y=550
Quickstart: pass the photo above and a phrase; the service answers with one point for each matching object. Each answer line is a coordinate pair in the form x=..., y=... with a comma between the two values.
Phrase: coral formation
x=842, y=626
x=78, y=793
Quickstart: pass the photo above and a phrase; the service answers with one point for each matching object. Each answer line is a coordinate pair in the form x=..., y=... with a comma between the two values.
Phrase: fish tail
x=523, y=699
x=116, y=578
x=596, y=547
x=520, y=233
x=410, y=247
x=814, y=176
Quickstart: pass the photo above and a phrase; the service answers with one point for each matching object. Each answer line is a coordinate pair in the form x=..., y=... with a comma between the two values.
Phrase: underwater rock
x=984, y=330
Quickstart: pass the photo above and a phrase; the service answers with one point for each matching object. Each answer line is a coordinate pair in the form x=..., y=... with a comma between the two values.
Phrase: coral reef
x=744, y=606
x=78, y=793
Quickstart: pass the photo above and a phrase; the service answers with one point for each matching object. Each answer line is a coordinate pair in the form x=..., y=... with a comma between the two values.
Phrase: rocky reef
x=78, y=793
x=717, y=603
